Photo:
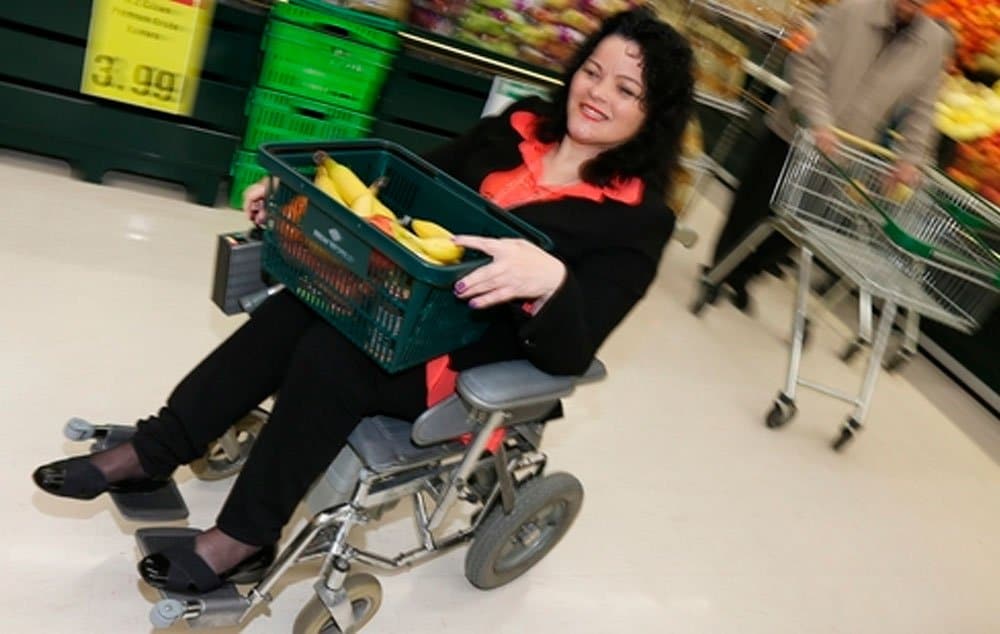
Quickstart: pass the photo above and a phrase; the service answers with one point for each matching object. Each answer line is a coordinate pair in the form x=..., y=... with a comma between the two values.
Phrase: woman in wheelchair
x=588, y=169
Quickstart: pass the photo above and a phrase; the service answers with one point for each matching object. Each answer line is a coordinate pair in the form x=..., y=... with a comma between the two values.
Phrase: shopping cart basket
x=928, y=251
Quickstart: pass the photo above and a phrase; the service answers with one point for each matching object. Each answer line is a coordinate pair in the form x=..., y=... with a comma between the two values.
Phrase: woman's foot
x=209, y=561
x=86, y=477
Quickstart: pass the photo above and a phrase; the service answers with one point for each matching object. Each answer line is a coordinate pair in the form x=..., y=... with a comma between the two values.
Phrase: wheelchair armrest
x=510, y=385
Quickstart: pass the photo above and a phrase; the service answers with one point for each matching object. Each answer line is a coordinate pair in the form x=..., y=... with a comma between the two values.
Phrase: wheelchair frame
x=512, y=395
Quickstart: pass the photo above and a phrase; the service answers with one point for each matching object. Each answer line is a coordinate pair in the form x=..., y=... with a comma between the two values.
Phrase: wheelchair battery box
x=238, y=270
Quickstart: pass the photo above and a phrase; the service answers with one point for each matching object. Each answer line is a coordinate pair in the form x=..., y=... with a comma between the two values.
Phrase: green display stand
x=432, y=97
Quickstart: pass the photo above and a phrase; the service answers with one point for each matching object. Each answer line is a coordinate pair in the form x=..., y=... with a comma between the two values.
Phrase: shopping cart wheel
x=707, y=294
x=897, y=361
x=783, y=411
x=851, y=350
x=847, y=432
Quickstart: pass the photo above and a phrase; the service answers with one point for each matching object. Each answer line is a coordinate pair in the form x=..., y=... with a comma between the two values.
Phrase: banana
x=428, y=229
x=380, y=209
x=406, y=238
x=327, y=186
x=442, y=249
x=363, y=205
x=347, y=182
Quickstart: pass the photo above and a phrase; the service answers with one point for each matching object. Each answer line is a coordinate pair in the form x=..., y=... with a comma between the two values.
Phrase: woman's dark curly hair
x=667, y=72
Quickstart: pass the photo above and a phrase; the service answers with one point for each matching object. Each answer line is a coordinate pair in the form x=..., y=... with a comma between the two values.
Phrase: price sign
x=147, y=52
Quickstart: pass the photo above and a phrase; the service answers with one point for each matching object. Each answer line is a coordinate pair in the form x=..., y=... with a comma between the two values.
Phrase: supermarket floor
x=697, y=518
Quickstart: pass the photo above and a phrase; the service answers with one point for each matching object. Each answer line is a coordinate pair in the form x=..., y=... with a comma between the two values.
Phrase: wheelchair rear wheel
x=225, y=457
x=363, y=591
x=507, y=545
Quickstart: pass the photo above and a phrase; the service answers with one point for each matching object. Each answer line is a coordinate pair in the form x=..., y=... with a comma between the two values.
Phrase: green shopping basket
x=398, y=308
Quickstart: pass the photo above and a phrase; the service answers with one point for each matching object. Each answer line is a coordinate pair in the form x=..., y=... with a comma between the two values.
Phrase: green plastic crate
x=274, y=116
x=398, y=308
x=361, y=28
x=333, y=70
x=245, y=172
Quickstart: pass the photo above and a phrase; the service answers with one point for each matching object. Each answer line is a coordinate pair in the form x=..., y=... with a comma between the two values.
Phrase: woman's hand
x=519, y=270
x=253, y=201
x=825, y=140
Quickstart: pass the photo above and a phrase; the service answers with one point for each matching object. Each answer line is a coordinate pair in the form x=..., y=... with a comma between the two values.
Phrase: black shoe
x=180, y=569
x=78, y=478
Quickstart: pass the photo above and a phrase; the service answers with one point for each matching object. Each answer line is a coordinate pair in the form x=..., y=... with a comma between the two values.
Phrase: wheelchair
x=480, y=447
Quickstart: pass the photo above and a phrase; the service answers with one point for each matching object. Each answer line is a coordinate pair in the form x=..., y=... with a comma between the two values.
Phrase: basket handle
x=272, y=151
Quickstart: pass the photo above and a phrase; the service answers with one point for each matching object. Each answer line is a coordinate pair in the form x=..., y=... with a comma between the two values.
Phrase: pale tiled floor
x=697, y=518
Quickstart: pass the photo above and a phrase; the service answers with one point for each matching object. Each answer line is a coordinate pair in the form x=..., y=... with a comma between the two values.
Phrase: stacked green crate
x=320, y=79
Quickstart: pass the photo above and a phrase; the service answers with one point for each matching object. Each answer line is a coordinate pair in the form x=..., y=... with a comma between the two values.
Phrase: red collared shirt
x=520, y=186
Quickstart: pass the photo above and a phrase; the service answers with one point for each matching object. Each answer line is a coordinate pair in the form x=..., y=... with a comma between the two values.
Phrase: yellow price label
x=147, y=53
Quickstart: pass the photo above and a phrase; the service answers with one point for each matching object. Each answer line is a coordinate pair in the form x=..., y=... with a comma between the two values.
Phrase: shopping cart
x=931, y=251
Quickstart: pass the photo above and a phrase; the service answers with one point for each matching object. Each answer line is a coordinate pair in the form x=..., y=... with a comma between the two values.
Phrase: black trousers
x=751, y=205
x=325, y=386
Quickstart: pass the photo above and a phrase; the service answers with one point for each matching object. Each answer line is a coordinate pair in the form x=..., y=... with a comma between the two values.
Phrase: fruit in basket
x=437, y=241
x=328, y=187
x=442, y=249
x=364, y=205
x=406, y=238
x=349, y=186
x=428, y=229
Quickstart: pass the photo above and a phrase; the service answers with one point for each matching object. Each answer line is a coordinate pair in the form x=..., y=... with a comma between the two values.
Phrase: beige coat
x=845, y=79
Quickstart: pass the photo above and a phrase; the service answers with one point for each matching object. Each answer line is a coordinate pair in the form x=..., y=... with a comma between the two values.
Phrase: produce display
x=967, y=111
x=976, y=24
x=975, y=167
x=544, y=33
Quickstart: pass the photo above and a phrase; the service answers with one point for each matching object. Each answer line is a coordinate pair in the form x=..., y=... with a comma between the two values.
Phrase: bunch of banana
x=429, y=241
x=343, y=185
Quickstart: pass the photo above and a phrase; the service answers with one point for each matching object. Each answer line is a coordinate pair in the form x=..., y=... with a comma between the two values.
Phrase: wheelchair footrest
x=164, y=504
x=221, y=607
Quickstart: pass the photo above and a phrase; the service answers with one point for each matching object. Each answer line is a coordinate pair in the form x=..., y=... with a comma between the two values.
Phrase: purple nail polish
x=460, y=287
x=473, y=304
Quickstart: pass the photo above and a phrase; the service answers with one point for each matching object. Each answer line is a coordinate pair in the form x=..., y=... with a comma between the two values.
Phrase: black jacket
x=611, y=251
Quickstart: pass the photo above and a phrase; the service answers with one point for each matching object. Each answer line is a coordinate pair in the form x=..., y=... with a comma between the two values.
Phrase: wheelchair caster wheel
x=507, y=545
x=166, y=612
x=226, y=456
x=847, y=433
x=79, y=429
x=363, y=591
x=783, y=411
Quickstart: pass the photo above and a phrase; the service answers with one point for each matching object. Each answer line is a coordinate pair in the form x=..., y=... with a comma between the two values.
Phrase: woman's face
x=607, y=94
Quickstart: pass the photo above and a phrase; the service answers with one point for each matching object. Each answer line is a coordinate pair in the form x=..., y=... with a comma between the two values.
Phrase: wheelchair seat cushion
x=383, y=444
